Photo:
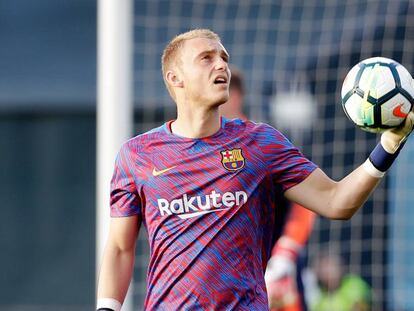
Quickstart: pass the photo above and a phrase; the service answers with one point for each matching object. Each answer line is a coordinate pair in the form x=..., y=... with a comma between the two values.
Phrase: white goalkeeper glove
x=278, y=267
x=280, y=276
x=393, y=139
x=388, y=148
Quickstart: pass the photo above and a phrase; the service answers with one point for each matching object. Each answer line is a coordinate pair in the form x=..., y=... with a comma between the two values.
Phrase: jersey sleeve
x=124, y=198
x=285, y=162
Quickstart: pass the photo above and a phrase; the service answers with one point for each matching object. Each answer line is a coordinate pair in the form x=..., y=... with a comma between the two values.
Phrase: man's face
x=204, y=71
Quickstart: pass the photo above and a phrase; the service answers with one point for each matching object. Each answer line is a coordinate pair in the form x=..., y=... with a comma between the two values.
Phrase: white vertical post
x=114, y=105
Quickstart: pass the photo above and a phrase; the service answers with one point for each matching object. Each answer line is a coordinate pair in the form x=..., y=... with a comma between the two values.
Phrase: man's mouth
x=220, y=80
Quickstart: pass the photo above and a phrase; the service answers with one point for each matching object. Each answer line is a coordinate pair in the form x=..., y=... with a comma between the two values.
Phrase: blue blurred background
x=47, y=143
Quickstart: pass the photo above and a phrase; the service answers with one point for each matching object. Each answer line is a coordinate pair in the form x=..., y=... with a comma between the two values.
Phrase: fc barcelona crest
x=232, y=160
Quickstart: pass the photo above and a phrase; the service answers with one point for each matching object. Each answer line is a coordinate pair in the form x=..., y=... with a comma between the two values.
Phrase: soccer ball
x=377, y=94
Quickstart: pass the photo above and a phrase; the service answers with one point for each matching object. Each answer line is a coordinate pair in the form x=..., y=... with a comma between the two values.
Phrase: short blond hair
x=169, y=56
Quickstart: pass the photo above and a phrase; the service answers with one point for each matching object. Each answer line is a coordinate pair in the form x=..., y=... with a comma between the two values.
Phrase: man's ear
x=173, y=79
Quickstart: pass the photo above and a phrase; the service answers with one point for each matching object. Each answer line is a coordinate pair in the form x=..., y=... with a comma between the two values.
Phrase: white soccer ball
x=377, y=94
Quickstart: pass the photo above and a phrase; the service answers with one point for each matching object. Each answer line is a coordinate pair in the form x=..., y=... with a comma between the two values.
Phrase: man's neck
x=197, y=123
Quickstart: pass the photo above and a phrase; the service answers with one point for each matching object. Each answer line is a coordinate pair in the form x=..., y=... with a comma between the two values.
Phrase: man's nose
x=221, y=64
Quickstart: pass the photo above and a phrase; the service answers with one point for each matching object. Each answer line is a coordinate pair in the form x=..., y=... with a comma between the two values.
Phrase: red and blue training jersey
x=209, y=209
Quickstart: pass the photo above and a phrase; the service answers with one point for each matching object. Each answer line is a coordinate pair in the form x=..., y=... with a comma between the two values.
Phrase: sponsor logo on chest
x=193, y=206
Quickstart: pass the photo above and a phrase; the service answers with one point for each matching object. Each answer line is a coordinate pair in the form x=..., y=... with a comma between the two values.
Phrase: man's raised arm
x=340, y=200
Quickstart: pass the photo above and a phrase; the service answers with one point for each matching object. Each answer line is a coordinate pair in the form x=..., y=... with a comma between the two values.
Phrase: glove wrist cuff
x=372, y=170
x=381, y=160
x=108, y=304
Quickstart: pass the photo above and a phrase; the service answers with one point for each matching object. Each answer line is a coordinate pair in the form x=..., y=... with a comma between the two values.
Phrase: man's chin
x=220, y=101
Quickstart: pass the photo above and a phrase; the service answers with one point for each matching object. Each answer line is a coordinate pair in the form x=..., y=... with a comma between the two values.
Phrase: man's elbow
x=341, y=216
x=120, y=247
x=341, y=213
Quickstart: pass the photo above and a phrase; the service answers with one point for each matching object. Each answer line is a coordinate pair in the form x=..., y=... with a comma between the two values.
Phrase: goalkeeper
x=204, y=187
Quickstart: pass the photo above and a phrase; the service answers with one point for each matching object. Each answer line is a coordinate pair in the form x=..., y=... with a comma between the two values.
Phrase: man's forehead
x=196, y=46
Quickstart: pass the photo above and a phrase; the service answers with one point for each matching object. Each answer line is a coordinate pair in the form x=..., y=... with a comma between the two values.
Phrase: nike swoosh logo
x=157, y=173
x=195, y=214
x=398, y=113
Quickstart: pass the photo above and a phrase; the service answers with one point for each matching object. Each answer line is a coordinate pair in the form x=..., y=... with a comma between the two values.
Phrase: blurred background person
x=284, y=270
x=336, y=289
x=292, y=230
x=234, y=108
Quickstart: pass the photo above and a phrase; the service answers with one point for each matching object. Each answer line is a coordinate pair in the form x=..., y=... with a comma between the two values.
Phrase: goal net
x=294, y=56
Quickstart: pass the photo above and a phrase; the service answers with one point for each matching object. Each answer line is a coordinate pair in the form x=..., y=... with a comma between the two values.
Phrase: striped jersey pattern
x=209, y=208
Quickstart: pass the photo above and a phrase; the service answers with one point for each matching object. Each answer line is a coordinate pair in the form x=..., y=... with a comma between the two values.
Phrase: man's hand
x=392, y=139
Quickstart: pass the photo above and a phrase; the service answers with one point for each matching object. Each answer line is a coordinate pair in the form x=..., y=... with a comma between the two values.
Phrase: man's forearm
x=360, y=183
x=116, y=273
x=352, y=192
x=334, y=200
